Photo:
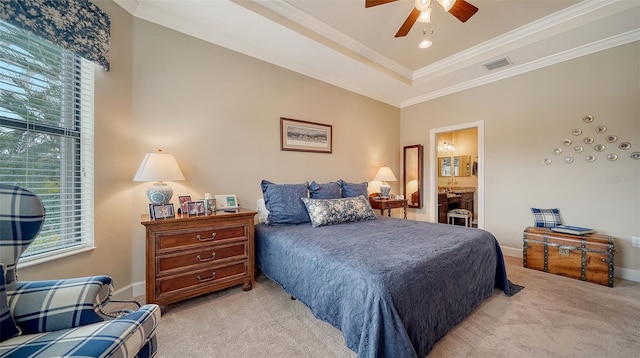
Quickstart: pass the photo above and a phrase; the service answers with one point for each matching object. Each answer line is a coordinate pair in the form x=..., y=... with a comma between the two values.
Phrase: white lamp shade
x=385, y=174
x=158, y=167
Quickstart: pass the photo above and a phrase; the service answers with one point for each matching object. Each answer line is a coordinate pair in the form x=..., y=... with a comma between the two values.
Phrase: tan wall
x=525, y=118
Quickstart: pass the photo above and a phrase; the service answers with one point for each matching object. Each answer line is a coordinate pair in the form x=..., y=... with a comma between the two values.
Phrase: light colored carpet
x=552, y=317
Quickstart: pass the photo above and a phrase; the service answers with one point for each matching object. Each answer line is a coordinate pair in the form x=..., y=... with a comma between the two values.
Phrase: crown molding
x=601, y=45
x=313, y=24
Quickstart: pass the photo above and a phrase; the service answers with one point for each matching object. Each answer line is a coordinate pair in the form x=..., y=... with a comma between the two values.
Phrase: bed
x=393, y=287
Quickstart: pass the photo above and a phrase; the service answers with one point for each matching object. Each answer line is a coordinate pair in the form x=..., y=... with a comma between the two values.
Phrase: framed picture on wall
x=303, y=136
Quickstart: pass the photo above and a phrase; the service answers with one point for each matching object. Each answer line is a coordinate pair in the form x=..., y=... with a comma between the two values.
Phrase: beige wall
x=525, y=118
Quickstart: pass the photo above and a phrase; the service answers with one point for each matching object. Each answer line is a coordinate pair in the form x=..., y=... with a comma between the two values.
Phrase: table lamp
x=158, y=167
x=384, y=175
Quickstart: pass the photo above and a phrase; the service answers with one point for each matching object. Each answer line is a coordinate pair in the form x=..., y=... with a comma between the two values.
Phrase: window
x=46, y=136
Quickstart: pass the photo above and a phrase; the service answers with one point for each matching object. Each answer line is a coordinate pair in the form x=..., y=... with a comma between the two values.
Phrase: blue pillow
x=336, y=211
x=330, y=190
x=352, y=190
x=8, y=326
x=546, y=217
x=284, y=202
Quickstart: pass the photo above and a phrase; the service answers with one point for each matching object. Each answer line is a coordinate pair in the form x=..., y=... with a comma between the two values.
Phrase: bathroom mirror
x=412, y=175
x=461, y=166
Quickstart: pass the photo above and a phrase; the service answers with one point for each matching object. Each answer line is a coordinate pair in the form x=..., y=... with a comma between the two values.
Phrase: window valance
x=76, y=25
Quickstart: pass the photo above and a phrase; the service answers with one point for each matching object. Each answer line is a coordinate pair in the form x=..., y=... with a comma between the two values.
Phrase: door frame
x=433, y=164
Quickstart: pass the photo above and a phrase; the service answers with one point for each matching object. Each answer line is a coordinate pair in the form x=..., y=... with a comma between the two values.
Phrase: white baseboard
x=128, y=292
x=621, y=272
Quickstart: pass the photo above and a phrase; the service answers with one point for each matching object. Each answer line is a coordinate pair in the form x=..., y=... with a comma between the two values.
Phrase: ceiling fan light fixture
x=421, y=5
x=447, y=4
x=425, y=15
x=426, y=43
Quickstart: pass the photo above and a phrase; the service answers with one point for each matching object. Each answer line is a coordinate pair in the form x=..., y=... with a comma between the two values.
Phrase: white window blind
x=46, y=136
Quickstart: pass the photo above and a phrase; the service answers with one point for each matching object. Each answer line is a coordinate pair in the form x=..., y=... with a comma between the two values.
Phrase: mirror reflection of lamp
x=384, y=175
x=158, y=167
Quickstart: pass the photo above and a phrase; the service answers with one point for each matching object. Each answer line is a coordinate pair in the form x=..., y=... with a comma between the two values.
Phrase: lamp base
x=159, y=193
x=385, y=189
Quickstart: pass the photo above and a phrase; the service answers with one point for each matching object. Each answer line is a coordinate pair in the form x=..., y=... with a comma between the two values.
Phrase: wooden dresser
x=187, y=256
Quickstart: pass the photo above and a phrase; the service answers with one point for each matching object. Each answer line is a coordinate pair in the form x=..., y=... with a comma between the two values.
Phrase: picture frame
x=210, y=205
x=163, y=211
x=184, y=199
x=226, y=202
x=196, y=208
x=304, y=136
x=151, y=216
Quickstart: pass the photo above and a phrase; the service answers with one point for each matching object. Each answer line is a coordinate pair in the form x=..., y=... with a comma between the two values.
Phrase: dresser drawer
x=170, y=240
x=193, y=280
x=184, y=260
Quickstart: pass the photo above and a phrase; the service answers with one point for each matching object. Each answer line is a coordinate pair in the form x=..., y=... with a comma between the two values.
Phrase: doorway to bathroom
x=456, y=171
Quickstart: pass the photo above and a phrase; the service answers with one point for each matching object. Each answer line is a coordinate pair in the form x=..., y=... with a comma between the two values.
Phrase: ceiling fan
x=461, y=9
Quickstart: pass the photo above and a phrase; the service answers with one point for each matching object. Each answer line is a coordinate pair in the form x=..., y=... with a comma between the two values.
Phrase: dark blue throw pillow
x=8, y=326
x=330, y=190
x=284, y=202
x=352, y=190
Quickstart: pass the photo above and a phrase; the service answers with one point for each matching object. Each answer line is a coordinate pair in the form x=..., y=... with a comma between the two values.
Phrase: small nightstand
x=387, y=204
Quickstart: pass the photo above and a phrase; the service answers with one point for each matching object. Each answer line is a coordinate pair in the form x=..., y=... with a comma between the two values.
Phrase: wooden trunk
x=584, y=257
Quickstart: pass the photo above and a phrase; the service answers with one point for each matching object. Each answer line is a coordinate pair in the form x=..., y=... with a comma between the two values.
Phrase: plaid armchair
x=60, y=318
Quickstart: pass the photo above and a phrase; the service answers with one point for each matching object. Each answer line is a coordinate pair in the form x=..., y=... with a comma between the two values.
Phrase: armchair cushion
x=21, y=218
x=45, y=306
x=8, y=326
x=120, y=337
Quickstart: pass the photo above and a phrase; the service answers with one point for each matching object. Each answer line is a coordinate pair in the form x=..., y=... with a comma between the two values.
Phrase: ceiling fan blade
x=370, y=3
x=463, y=10
x=408, y=23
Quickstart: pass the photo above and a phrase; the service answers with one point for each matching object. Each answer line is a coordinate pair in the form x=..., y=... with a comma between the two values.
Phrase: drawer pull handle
x=213, y=236
x=213, y=276
x=213, y=256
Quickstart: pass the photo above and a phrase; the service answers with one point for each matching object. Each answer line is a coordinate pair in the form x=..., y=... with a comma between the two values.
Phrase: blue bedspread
x=393, y=287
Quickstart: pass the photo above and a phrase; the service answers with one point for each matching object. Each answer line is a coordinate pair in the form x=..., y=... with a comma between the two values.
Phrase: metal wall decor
x=598, y=144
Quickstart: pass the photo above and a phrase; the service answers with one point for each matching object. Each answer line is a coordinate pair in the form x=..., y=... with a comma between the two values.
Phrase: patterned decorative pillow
x=284, y=204
x=8, y=326
x=330, y=190
x=546, y=217
x=335, y=211
x=352, y=190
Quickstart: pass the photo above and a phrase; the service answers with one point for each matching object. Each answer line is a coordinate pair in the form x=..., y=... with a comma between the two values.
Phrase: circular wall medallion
x=557, y=151
x=568, y=160
x=588, y=140
x=612, y=157
x=635, y=155
x=567, y=141
x=599, y=147
x=546, y=161
x=576, y=131
x=590, y=158
x=588, y=119
x=577, y=149
x=624, y=145
x=612, y=138
x=601, y=129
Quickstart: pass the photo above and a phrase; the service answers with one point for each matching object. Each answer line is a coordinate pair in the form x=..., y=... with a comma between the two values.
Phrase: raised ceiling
x=343, y=43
